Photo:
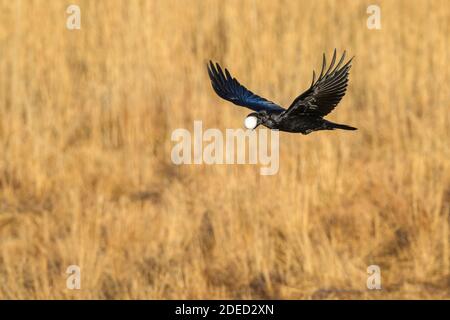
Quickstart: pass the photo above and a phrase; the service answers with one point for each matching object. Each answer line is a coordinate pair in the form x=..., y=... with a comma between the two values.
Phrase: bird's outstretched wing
x=230, y=89
x=324, y=94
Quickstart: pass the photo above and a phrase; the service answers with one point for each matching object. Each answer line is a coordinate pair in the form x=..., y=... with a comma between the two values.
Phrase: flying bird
x=306, y=112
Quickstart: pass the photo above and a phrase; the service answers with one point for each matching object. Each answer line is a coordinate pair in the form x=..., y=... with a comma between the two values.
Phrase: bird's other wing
x=230, y=89
x=324, y=94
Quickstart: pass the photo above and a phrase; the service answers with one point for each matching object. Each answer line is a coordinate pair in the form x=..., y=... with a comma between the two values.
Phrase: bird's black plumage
x=230, y=89
x=306, y=112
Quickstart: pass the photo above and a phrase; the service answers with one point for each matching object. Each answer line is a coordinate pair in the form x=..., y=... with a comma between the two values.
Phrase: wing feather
x=230, y=89
x=324, y=93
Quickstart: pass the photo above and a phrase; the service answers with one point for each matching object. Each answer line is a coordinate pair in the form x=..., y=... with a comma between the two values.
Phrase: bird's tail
x=333, y=125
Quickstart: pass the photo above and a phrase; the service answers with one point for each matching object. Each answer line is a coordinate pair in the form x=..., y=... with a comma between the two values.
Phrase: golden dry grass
x=86, y=176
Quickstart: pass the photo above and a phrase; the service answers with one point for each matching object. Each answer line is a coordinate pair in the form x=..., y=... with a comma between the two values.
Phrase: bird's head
x=254, y=119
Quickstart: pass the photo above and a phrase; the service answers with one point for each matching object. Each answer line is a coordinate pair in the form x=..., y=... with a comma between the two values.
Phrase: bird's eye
x=251, y=122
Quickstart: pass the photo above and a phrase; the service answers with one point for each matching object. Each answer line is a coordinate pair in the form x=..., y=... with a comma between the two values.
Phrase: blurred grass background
x=86, y=176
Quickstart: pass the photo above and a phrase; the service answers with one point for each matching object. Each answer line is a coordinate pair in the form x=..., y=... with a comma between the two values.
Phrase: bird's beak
x=258, y=122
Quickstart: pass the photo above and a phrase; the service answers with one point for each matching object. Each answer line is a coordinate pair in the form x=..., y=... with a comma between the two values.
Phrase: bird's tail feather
x=341, y=126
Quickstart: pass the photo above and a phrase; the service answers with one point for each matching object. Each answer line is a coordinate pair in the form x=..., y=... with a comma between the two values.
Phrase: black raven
x=306, y=112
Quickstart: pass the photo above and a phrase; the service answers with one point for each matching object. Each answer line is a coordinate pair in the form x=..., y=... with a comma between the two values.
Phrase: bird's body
x=306, y=112
x=298, y=124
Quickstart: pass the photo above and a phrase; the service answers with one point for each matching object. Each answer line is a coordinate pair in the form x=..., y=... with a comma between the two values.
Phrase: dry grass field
x=86, y=177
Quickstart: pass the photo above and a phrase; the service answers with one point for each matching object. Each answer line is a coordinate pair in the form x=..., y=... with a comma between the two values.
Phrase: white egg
x=251, y=122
